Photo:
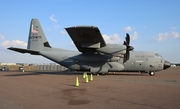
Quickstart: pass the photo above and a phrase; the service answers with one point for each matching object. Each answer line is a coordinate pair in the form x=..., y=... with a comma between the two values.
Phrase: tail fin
x=37, y=40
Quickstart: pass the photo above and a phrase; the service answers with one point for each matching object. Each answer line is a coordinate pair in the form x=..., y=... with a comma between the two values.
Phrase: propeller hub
x=130, y=48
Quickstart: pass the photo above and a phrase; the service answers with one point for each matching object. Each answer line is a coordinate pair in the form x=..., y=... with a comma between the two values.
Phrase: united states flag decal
x=34, y=31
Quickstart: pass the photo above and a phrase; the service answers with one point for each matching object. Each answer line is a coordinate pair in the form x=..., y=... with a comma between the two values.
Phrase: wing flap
x=24, y=50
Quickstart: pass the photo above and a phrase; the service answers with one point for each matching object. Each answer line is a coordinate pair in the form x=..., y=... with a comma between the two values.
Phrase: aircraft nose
x=166, y=64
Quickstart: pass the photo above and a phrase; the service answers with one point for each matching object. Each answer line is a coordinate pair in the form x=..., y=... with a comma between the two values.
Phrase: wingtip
x=10, y=48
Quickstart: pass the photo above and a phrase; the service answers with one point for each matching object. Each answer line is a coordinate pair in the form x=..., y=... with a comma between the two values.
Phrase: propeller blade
x=127, y=39
x=127, y=55
x=124, y=43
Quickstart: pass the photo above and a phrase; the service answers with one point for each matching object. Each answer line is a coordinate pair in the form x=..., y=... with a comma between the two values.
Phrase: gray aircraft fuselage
x=139, y=61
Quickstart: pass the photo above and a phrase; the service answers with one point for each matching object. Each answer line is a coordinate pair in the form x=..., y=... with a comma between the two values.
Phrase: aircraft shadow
x=28, y=73
x=68, y=73
x=129, y=74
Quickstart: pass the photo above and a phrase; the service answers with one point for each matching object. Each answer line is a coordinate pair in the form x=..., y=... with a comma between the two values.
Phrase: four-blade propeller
x=128, y=47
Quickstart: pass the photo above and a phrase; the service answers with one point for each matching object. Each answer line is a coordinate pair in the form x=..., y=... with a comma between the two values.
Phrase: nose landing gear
x=151, y=73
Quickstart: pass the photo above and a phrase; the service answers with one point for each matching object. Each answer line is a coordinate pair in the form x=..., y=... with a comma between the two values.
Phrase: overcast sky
x=154, y=25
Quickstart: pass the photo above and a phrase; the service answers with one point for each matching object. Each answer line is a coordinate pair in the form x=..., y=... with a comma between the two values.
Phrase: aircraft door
x=133, y=65
x=139, y=65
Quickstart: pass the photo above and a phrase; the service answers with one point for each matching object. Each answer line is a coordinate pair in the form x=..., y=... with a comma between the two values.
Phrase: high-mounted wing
x=86, y=38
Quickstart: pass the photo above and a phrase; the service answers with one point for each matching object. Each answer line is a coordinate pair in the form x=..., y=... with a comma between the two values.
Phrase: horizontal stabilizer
x=24, y=50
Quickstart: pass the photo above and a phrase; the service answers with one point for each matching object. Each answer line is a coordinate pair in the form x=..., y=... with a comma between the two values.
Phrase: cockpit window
x=158, y=56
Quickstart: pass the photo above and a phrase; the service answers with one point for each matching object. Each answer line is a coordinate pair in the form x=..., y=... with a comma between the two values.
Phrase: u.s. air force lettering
x=35, y=38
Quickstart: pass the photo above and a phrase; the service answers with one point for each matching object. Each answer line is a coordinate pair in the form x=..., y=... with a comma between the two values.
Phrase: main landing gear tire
x=103, y=74
x=151, y=73
x=94, y=73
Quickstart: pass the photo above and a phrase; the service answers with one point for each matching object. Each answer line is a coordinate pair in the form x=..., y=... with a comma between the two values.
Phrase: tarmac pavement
x=56, y=90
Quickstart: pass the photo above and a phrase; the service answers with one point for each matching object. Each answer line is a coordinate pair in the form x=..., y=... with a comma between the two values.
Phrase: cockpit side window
x=158, y=56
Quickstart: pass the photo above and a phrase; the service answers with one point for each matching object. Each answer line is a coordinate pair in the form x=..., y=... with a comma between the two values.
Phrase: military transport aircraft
x=94, y=54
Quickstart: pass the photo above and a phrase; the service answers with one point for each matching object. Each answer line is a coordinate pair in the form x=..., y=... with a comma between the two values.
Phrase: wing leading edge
x=86, y=38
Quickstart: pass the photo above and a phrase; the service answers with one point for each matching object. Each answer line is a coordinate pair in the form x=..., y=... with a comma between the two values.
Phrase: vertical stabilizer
x=37, y=40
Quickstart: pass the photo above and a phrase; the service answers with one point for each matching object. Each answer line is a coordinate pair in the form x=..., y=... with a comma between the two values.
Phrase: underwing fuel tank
x=95, y=58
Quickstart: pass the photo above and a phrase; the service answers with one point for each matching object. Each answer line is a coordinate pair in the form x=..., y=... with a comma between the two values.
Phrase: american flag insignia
x=34, y=31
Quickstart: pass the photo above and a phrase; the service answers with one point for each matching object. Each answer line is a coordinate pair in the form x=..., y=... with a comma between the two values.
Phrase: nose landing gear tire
x=151, y=73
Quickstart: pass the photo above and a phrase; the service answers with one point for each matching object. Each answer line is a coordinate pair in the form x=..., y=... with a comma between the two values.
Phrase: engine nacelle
x=113, y=49
x=95, y=58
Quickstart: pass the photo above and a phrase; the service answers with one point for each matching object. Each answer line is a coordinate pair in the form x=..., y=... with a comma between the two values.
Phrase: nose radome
x=166, y=64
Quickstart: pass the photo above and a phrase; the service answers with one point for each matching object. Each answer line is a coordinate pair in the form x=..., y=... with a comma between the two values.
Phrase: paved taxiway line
x=46, y=90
